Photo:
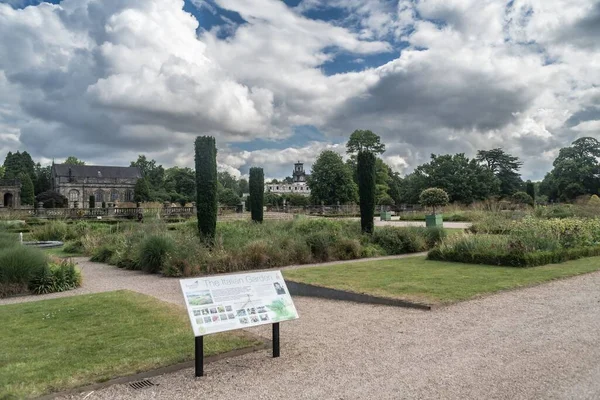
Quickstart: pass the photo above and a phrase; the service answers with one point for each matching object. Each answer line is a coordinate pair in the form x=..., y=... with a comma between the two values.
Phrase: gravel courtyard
x=536, y=343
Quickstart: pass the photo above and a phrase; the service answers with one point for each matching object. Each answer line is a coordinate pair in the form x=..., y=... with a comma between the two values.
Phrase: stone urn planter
x=434, y=221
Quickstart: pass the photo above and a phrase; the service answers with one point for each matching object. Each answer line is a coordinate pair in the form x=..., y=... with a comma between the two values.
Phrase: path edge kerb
x=157, y=372
x=308, y=290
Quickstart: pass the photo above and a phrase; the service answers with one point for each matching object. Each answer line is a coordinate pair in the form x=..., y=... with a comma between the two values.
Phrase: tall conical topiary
x=366, y=173
x=257, y=193
x=206, y=185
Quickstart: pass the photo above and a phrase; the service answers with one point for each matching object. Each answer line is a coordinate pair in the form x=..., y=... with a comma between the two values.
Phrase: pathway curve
x=536, y=343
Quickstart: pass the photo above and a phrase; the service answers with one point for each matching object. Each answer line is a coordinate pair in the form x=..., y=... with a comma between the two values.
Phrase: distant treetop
x=364, y=140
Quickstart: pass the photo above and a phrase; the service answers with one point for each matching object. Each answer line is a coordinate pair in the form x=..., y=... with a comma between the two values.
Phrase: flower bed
x=527, y=243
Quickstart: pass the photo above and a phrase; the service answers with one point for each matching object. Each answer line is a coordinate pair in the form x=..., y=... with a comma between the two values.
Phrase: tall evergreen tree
x=206, y=185
x=505, y=167
x=27, y=195
x=366, y=169
x=141, y=192
x=257, y=193
x=530, y=190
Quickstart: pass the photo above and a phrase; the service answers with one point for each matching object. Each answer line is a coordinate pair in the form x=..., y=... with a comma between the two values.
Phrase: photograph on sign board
x=278, y=288
x=199, y=298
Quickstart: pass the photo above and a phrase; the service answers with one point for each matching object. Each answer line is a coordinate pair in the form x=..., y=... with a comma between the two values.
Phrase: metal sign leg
x=276, y=340
x=199, y=352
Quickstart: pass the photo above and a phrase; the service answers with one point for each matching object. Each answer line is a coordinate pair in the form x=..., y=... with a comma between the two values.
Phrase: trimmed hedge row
x=514, y=259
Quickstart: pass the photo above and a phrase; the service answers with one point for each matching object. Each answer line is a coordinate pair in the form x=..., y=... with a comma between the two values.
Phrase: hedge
x=514, y=259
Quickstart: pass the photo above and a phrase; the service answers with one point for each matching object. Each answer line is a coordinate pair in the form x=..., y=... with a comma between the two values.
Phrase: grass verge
x=434, y=282
x=60, y=253
x=59, y=344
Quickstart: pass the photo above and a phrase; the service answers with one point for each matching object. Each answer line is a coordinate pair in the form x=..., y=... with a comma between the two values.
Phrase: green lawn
x=59, y=344
x=434, y=282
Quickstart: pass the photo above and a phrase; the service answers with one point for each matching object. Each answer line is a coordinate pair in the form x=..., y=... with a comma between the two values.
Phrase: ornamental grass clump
x=529, y=242
x=154, y=251
x=18, y=266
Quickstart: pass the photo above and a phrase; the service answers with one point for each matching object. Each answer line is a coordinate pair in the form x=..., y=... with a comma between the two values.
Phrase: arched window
x=99, y=196
x=73, y=195
x=129, y=195
x=114, y=195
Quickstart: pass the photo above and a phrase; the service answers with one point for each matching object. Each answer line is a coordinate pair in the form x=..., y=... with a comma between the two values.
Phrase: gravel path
x=535, y=343
x=540, y=342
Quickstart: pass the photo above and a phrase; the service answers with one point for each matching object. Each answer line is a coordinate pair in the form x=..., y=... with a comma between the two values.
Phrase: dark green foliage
x=103, y=204
x=19, y=163
x=505, y=167
x=575, y=171
x=514, y=259
x=153, y=252
x=56, y=278
x=141, y=191
x=465, y=180
x=102, y=254
x=51, y=199
x=433, y=197
x=331, y=180
x=365, y=163
x=530, y=190
x=206, y=185
x=43, y=179
x=364, y=140
x=521, y=198
x=227, y=197
x=400, y=241
x=92, y=201
x=257, y=193
x=27, y=195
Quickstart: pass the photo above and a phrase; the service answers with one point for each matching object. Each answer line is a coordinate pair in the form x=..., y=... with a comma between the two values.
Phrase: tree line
x=490, y=174
x=160, y=184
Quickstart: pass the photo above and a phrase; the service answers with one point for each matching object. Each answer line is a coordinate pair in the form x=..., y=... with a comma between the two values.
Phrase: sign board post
x=223, y=303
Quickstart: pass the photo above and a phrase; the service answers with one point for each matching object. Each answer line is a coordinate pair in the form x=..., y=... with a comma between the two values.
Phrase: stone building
x=298, y=185
x=10, y=193
x=107, y=184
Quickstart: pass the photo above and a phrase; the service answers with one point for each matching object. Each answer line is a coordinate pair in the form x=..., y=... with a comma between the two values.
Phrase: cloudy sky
x=279, y=81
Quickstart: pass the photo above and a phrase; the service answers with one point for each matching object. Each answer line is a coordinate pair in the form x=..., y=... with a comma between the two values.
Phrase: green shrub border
x=515, y=259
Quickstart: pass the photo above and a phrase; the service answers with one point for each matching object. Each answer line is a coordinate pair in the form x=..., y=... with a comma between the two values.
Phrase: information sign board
x=226, y=302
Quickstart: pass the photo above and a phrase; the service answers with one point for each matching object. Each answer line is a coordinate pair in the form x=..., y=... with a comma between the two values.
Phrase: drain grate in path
x=141, y=384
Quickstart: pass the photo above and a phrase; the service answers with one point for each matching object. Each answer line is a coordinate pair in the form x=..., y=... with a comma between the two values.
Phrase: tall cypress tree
x=27, y=196
x=206, y=185
x=257, y=193
x=530, y=189
x=366, y=173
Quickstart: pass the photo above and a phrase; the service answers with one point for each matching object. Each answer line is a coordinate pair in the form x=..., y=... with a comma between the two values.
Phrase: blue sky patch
x=303, y=134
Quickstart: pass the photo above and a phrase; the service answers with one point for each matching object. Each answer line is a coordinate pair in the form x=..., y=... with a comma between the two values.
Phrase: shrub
x=153, y=252
x=52, y=199
x=257, y=192
x=18, y=265
x=401, y=241
x=73, y=247
x=56, y=277
x=522, y=198
x=366, y=174
x=206, y=185
x=433, y=197
x=319, y=244
x=347, y=249
x=102, y=254
x=434, y=235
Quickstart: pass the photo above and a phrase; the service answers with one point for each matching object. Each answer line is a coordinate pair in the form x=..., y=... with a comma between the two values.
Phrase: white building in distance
x=298, y=186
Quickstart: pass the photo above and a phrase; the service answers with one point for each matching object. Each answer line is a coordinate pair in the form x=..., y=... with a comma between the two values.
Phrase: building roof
x=96, y=171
